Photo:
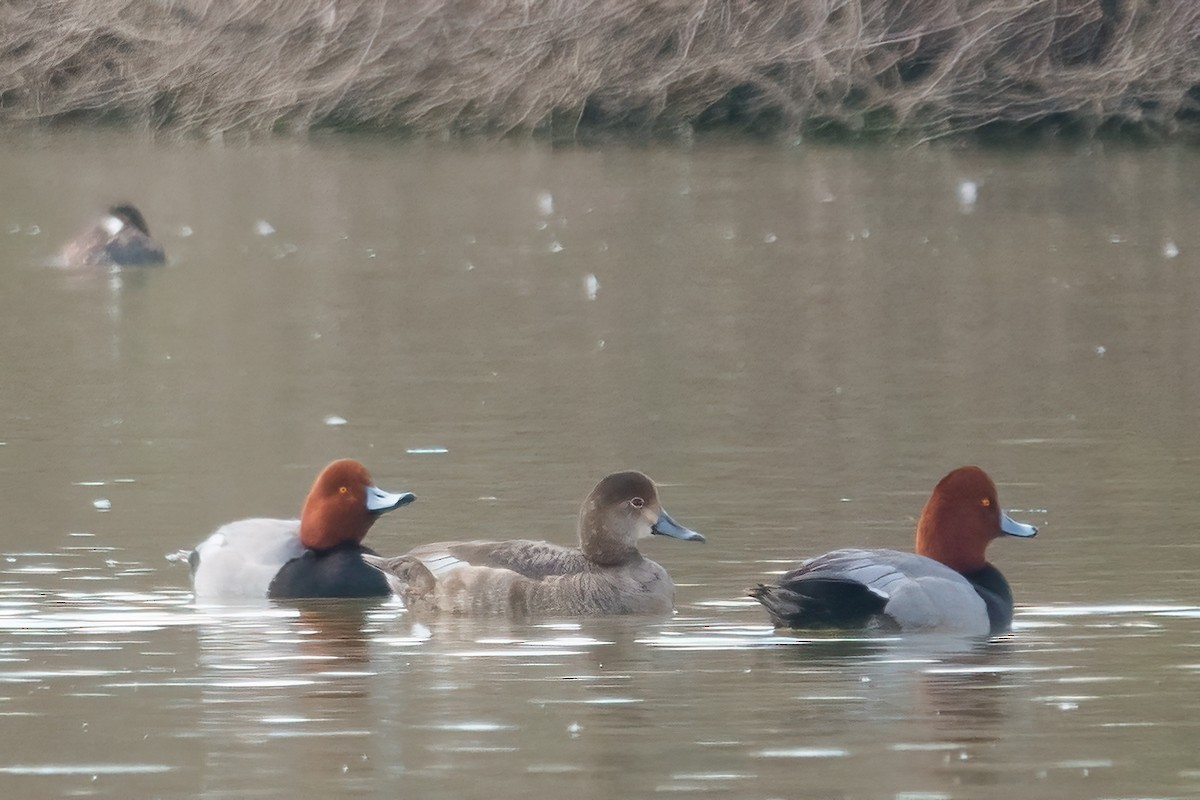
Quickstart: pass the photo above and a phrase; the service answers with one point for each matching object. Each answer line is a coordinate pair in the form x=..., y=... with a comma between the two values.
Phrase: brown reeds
x=565, y=68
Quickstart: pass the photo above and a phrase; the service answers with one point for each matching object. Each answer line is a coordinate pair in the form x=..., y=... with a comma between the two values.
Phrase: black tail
x=822, y=603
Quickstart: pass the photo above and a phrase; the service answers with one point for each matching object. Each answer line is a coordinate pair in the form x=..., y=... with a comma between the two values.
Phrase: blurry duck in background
x=121, y=239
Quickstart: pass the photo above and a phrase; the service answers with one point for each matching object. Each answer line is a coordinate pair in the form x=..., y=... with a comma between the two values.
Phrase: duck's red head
x=961, y=518
x=343, y=504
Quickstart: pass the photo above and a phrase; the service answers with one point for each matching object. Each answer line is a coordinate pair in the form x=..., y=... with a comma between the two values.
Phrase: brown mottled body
x=520, y=577
x=572, y=586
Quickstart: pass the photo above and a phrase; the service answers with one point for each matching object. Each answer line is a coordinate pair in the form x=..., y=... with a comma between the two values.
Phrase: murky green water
x=797, y=343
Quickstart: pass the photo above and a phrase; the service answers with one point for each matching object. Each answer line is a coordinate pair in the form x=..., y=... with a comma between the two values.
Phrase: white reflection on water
x=802, y=752
x=1114, y=609
x=472, y=727
x=85, y=769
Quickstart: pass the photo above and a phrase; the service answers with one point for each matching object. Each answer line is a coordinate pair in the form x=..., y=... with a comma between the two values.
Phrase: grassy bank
x=567, y=69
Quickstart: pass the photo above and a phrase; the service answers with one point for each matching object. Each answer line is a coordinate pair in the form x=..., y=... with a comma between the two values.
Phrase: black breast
x=339, y=572
x=991, y=586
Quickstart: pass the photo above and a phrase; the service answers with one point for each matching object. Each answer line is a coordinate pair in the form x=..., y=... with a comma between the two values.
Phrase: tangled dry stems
x=565, y=68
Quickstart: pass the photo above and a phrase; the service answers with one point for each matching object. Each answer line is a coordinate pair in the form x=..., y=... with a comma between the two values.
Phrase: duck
x=945, y=586
x=318, y=555
x=605, y=575
x=121, y=239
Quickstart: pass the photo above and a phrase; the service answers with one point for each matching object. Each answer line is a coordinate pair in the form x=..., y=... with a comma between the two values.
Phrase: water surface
x=795, y=342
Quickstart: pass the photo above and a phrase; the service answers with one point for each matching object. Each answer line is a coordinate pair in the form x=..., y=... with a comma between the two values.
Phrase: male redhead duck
x=519, y=577
x=121, y=239
x=318, y=555
x=946, y=586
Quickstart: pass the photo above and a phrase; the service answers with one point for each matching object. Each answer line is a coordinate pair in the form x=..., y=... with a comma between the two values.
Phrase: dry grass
x=565, y=68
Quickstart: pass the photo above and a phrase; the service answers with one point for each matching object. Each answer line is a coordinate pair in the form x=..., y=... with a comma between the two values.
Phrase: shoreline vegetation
x=568, y=70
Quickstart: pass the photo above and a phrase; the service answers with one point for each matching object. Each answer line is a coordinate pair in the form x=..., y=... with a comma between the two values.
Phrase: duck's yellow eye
x=342, y=490
x=637, y=502
x=986, y=502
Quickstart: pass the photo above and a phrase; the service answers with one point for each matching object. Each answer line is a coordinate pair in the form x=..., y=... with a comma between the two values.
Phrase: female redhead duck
x=318, y=555
x=605, y=575
x=946, y=586
x=121, y=239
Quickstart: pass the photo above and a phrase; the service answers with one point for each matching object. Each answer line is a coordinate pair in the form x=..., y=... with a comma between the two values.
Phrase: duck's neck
x=322, y=532
x=959, y=552
x=602, y=549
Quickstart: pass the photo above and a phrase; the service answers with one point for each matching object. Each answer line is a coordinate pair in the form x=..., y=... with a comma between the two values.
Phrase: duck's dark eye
x=986, y=502
x=342, y=490
x=637, y=502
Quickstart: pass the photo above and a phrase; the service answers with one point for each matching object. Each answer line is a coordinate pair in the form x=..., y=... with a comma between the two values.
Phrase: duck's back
x=87, y=250
x=132, y=248
x=129, y=247
x=526, y=557
x=876, y=588
x=241, y=559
